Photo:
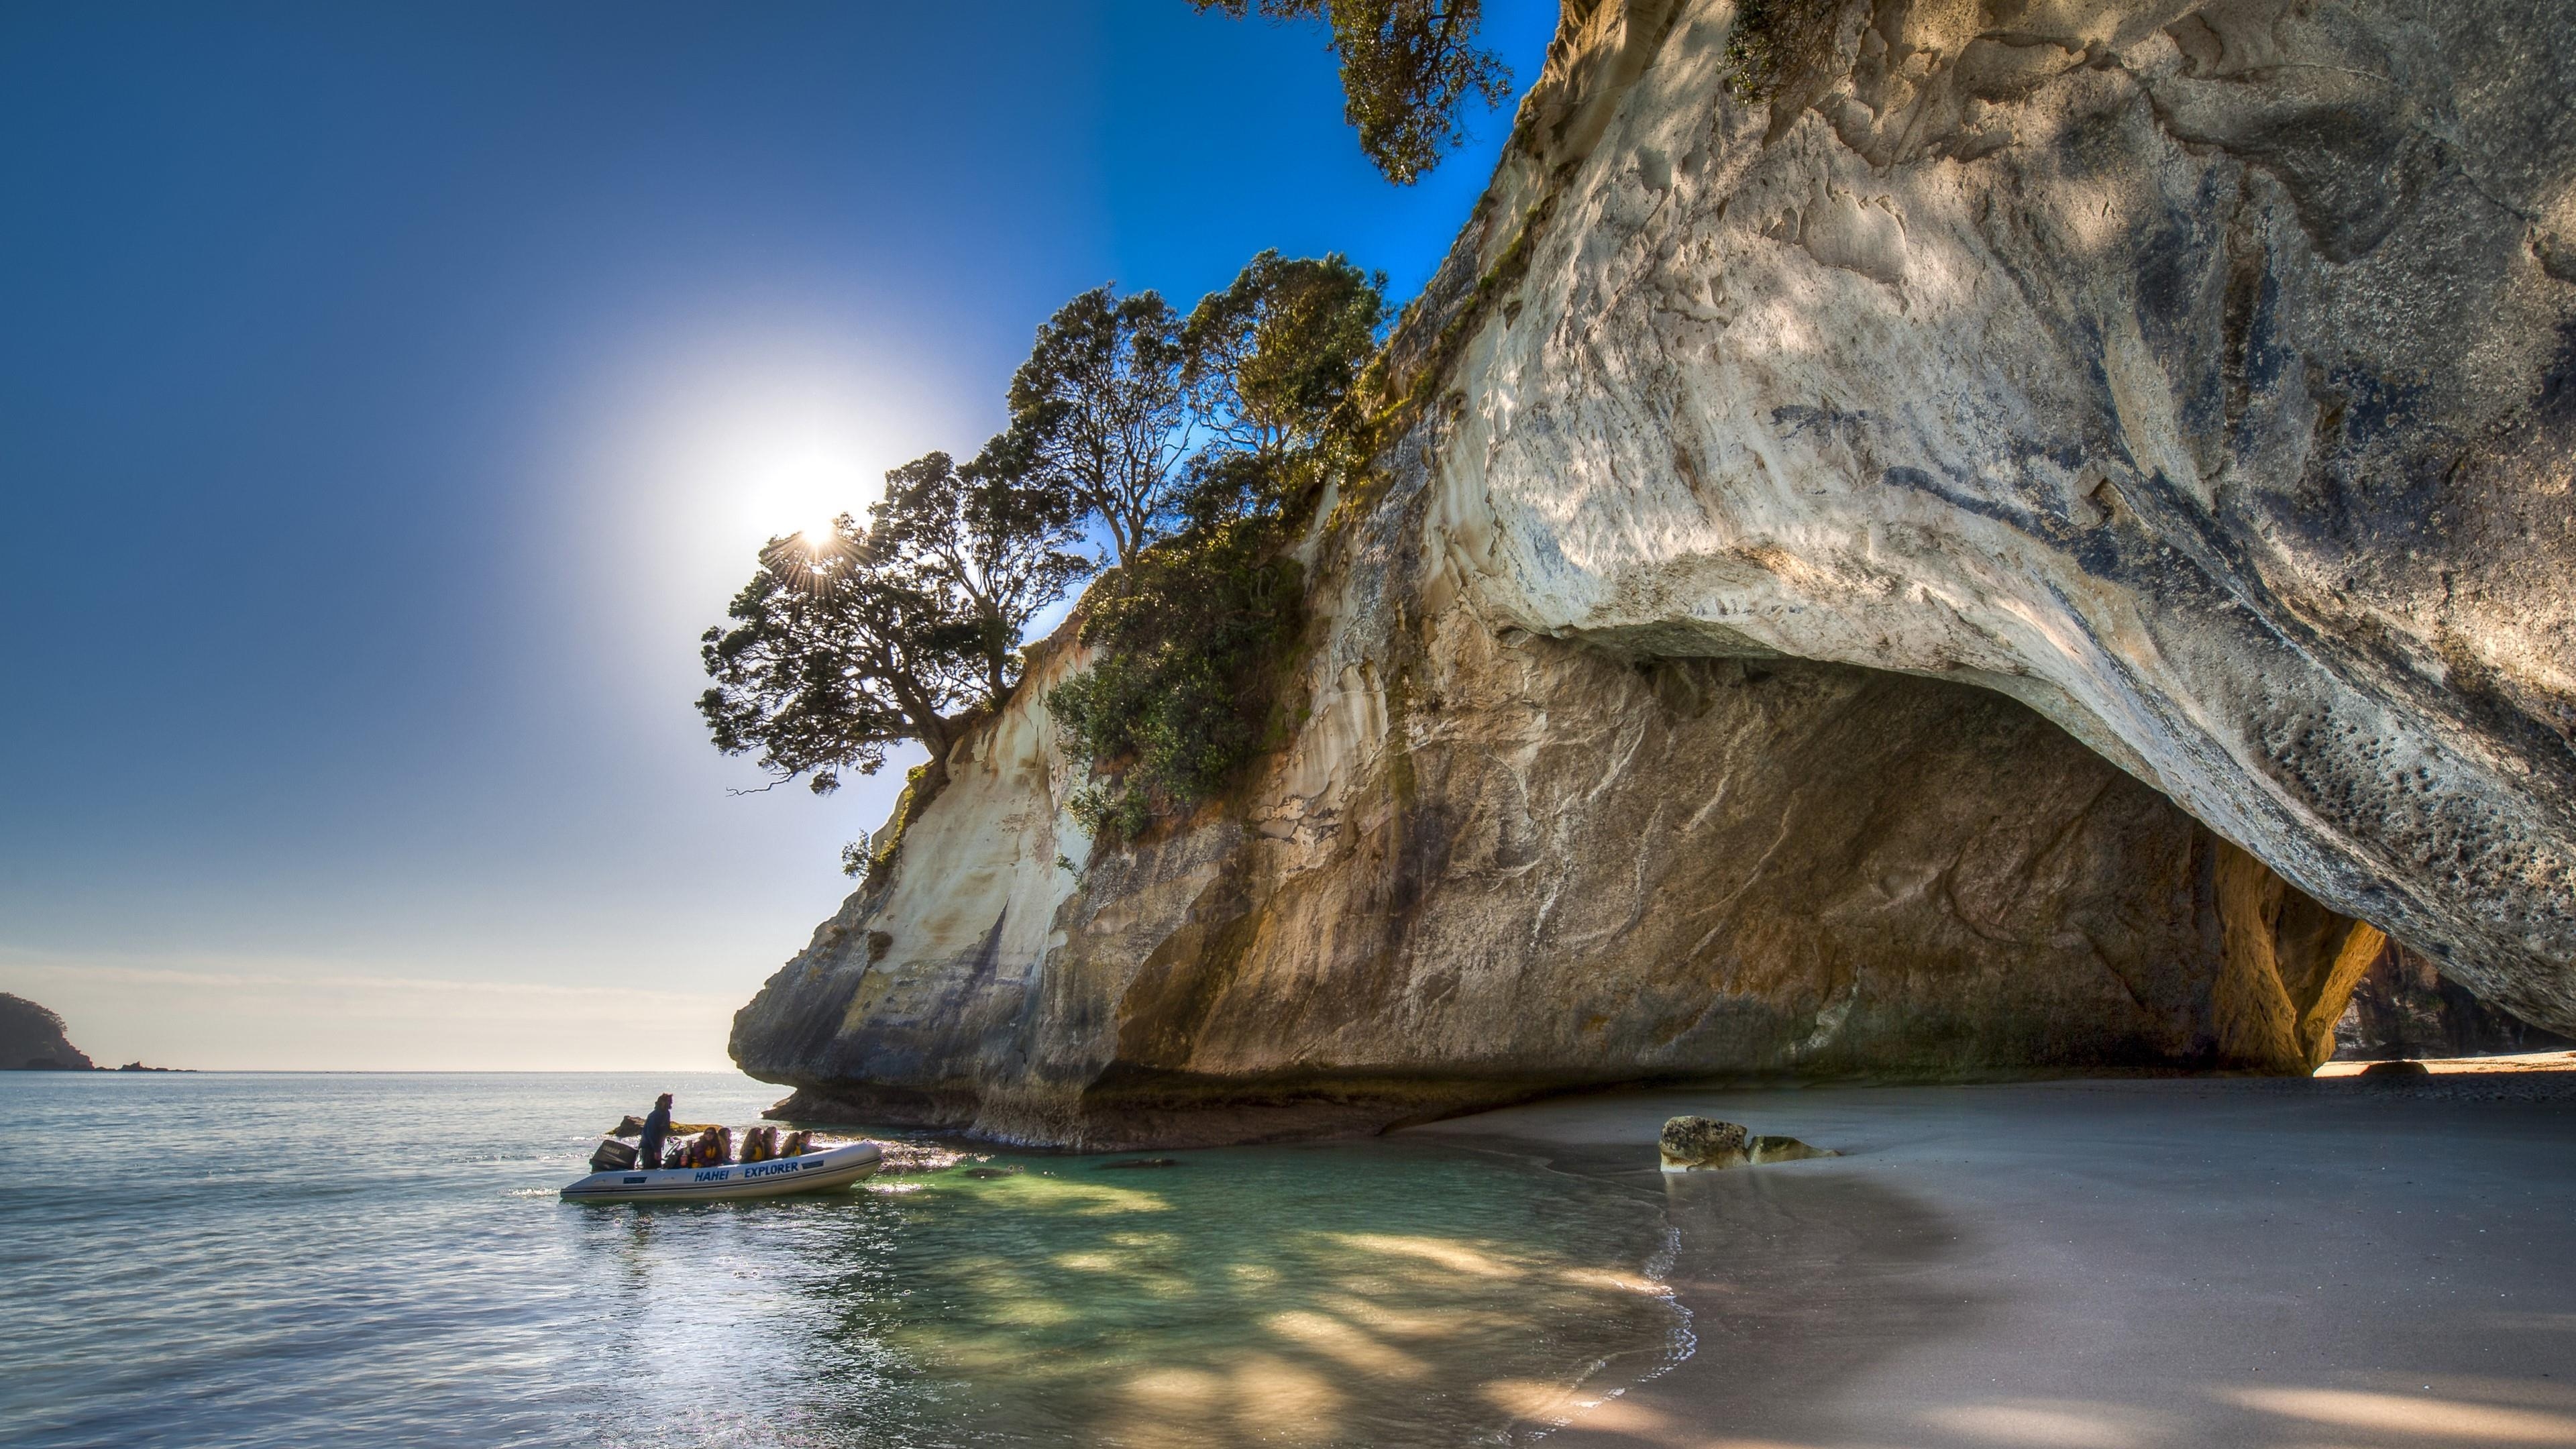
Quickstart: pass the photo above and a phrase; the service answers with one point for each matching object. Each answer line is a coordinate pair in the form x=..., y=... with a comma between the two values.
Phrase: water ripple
x=287, y=1260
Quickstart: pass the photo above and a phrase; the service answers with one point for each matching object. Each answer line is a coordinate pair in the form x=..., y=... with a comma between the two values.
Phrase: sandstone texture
x=2035, y=545
x=1490, y=864
x=2201, y=374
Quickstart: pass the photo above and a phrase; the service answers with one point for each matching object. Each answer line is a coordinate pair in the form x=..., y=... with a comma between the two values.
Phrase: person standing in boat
x=657, y=1125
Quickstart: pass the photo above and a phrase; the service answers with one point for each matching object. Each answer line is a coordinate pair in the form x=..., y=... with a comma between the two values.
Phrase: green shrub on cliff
x=1191, y=635
x=1181, y=694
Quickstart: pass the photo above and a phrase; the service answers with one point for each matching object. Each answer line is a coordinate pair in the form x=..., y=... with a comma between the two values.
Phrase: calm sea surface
x=242, y=1259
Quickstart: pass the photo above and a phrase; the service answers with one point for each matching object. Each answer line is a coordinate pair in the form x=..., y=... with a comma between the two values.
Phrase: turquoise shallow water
x=231, y=1259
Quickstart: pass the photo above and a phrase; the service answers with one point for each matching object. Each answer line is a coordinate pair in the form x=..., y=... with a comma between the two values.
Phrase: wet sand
x=2340, y=1261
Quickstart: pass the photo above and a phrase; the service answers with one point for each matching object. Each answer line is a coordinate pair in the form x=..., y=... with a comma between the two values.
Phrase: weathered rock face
x=32, y=1039
x=2201, y=378
x=1494, y=865
x=2403, y=1007
x=2202, y=375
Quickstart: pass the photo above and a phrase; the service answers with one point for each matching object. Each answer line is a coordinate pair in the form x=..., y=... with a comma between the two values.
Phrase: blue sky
x=389, y=394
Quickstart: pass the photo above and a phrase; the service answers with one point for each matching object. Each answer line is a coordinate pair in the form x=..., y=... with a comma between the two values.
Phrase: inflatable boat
x=809, y=1172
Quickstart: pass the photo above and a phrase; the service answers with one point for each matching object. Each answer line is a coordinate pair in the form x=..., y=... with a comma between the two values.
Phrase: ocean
x=318, y=1259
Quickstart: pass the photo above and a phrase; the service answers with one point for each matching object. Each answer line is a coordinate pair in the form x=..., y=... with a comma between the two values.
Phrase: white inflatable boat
x=811, y=1172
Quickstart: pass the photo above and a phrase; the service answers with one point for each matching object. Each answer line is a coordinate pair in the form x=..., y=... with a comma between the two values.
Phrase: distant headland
x=32, y=1039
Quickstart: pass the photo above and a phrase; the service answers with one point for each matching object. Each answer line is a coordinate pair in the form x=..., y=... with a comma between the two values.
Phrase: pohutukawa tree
x=999, y=541
x=1098, y=413
x=1188, y=647
x=1268, y=363
x=838, y=651
x=846, y=645
x=1409, y=68
x=1268, y=360
x=1188, y=443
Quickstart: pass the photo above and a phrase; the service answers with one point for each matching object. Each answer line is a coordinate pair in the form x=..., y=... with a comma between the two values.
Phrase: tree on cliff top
x=837, y=652
x=1191, y=639
x=1268, y=362
x=1268, y=359
x=999, y=540
x=847, y=644
x=1098, y=412
x=1408, y=69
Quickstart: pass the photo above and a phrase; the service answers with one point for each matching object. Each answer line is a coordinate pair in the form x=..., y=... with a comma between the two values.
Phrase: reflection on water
x=293, y=1260
x=1354, y=1293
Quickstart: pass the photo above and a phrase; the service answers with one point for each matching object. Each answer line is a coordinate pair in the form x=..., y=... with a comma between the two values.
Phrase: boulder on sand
x=1691, y=1144
x=1696, y=1142
x=1785, y=1149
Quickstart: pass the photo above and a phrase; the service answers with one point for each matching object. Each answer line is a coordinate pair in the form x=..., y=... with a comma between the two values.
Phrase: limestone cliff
x=1940, y=566
x=2201, y=374
x=1489, y=866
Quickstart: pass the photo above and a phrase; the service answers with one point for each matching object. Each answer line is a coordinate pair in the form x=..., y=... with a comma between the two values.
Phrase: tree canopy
x=1409, y=68
x=847, y=644
x=837, y=652
x=1099, y=414
x=1268, y=359
x=998, y=540
x=1189, y=641
x=1186, y=442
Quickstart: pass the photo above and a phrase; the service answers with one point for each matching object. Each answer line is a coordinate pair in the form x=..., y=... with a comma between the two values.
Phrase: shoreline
x=2123, y=1262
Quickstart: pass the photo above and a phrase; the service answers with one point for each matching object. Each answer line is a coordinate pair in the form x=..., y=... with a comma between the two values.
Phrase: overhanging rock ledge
x=1813, y=499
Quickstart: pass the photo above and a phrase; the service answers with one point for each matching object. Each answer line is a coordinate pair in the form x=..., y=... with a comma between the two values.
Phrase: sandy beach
x=2339, y=1261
